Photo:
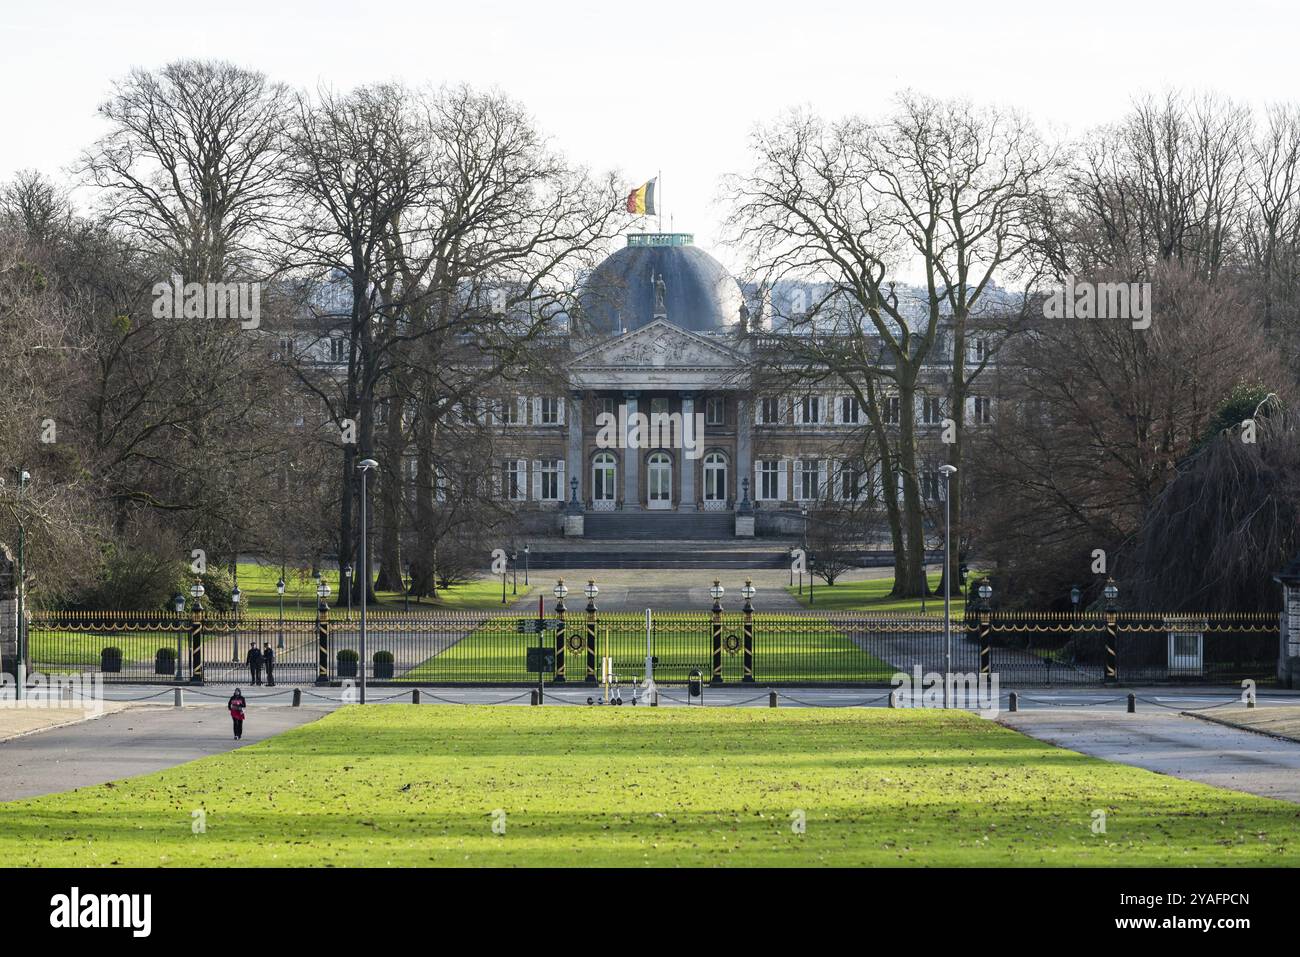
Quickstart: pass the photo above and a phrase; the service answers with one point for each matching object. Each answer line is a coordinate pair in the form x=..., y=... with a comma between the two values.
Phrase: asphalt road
x=131, y=742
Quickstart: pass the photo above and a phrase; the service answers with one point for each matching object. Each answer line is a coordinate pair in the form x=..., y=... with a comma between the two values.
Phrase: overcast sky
x=642, y=87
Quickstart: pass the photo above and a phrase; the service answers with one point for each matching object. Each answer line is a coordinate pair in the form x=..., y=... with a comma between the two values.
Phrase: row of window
x=813, y=479
x=847, y=410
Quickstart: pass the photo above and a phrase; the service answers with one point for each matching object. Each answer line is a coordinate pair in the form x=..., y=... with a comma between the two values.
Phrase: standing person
x=254, y=662
x=236, y=705
x=268, y=661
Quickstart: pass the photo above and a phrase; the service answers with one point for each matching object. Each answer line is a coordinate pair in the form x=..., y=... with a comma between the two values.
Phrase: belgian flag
x=641, y=201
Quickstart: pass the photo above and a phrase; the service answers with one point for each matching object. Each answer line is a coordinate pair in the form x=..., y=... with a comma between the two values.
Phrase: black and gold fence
x=733, y=648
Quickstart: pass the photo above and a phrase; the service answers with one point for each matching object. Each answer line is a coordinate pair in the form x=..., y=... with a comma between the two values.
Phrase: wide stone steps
x=680, y=526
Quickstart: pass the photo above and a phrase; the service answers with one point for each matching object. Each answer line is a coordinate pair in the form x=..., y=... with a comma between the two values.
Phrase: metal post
x=591, y=639
x=649, y=649
x=986, y=648
x=946, y=471
x=365, y=585
x=1112, y=635
x=322, y=643
x=525, y=565
x=180, y=637
x=196, y=645
x=749, y=632
x=20, y=639
x=559, y=639
x=717, y=640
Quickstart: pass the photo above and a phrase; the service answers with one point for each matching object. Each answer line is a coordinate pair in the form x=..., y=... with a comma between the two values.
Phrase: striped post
x=986, y=647
x=749, y=632
x=1112, y=643
x=196, y=647
x=322, y=644
x=591, y=633
x=559, y=639
x=717, y=636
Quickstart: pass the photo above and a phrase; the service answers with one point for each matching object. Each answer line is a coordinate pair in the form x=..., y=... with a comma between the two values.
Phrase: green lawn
x=786, y=650
x=872, y=595
x=422, y=785
x=257, y=583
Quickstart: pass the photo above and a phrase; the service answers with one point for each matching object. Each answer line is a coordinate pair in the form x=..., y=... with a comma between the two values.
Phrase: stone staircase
x=660, y=526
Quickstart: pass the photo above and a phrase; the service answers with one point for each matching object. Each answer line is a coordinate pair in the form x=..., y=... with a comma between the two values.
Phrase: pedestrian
x=254, y=662
x=268, y=662
x=236, y=704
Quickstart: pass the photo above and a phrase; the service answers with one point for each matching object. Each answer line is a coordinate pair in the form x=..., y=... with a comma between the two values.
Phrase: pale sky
x=643, y=87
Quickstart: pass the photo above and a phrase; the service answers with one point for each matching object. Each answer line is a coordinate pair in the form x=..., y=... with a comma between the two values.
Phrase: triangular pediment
x=658, y=345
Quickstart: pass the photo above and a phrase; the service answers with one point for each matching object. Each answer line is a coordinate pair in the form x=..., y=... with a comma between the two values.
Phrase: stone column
x=573, y=462
x=687, y=465
x=631, y=461
x=574, y=517
x=1288, y=664
x=744, y=445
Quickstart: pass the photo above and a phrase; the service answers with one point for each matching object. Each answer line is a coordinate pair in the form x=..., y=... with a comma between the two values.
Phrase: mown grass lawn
x=786, y=650
x=872, y=594
x=422, y=785
x=257, y=584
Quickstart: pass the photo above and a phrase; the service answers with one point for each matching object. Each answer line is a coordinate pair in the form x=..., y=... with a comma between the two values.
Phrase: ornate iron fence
x=806, y=648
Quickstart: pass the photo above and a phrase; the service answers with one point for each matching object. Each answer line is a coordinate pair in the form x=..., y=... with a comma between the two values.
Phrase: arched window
x=604, y=476
x=659, y=481
x=715, y=477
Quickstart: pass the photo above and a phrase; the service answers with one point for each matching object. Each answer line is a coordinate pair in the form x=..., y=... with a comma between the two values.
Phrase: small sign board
x=541, y=659
x=533, y=626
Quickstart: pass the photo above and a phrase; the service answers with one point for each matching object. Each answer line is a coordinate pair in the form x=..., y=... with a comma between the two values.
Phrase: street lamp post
x=406, y=587
x=347, y=586
x=20, y=666
x=1075, y=595
x=514, y=573
x=525, y=564
x=947, y=471
x=364, y=467
x=279, y=592
x=178, y=606
x=196, y=636
x=235, y=596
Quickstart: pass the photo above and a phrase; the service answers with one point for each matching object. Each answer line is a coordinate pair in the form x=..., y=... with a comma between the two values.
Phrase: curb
x=1240, y=727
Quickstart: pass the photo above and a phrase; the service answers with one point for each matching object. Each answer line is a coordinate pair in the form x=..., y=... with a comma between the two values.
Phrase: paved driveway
x=131, y=742
x=1171, y=743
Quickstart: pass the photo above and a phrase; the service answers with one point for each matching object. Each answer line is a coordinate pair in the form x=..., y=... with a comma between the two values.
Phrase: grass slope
x=871, y=594
x=418, y=785
x=257, y=583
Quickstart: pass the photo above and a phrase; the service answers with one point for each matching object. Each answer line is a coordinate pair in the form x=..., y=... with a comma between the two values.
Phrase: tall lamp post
x=364, y=467
x=235, y=597
x=406, y=587
x=514, y=573
x=947, y=471
x=347, y=586
x=20, y=666
x=279, y=592
x=525, y=564
x=178, y=606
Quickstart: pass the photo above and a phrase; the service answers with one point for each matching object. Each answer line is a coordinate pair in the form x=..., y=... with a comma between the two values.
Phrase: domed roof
x=660, y=274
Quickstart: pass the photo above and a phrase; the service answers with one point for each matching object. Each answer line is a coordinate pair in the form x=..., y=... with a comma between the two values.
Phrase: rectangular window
x=510, y=410
x=930, y=486
x=550, y=414
x=769, y=412
x=982, y=407
x=550, y=480
x=714, y=411
x=851, y=484
x=515, y=483
x=338, y=349
x=769, y=482
x=808, y=478
x=979, y=349
x=811, y=408
x=605, y=406
x=850, y=410
x=893, y=410
x=931, y=410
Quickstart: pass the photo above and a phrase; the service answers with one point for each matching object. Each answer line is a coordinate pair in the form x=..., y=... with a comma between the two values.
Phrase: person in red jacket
x=236, y=705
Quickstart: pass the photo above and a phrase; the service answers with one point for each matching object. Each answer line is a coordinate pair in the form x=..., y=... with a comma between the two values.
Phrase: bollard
x=893, y=698
x=771, y=699
x=1132, y=703
x=297, y=697
x=532, y=697
x=415, y=696
x=178, y=698
x=1013, y=702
